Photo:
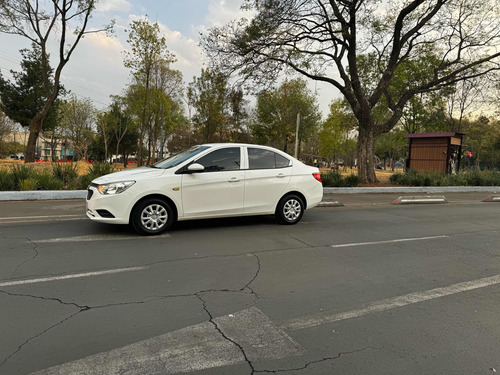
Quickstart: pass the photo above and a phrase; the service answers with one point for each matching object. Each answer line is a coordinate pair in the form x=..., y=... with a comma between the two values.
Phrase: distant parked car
x=206, y=181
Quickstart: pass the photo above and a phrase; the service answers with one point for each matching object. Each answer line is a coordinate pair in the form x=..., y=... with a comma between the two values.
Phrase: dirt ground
x=383, y=176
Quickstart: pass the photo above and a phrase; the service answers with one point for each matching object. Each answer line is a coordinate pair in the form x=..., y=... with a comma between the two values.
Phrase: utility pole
x=297, y=136
x=162, y=135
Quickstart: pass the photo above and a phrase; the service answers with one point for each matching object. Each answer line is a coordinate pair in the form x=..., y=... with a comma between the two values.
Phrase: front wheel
x=152, y=217
x=290, y=210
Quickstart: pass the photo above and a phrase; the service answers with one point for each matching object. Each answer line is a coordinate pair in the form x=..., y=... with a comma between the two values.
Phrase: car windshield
x=174, y=160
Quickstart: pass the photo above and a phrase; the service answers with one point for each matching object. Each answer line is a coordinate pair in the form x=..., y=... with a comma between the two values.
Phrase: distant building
x=45, y=146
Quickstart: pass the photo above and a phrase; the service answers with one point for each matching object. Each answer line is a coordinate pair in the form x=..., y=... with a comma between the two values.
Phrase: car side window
x=261, y=159
x=281, y=161
x=264, y=159
x=225, y=159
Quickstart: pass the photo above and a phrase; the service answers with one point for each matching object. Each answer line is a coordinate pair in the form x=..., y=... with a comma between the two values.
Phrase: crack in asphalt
x=35, y=245
x=314, y=362
x=38, y=335
x=83, y=308
x=305, y=243
x=211, y=320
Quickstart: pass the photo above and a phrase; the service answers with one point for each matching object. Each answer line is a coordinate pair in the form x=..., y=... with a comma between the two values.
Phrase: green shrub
x=463, y=178
x=332, y=179
x=20, y=173
x=65, y=172
x=28, y=184
x=352, y=180
x=84, y=181
x=100, y=169
x=7, y=182
x=335, y=179
x=47, y=181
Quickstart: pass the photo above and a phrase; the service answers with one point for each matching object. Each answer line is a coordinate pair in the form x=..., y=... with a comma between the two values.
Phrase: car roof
x=245, y=145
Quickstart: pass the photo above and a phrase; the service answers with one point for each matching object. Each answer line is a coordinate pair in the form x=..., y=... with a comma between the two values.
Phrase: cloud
x=114, y=5
x=96, y=69
x=221, y=12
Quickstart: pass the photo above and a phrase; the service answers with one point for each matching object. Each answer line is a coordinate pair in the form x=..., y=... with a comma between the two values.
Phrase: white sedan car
x=206, y=181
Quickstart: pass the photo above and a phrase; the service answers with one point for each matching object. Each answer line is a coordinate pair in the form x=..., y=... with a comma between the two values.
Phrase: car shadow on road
x=186, y=226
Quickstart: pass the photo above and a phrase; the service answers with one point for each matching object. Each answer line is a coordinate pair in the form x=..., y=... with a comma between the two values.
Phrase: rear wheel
x=290, y=209
x=152, y=216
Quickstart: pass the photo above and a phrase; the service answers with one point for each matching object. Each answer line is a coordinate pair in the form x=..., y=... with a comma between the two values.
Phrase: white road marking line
x=103, y=237
x=388, y=241
x=73, y=276
x=387, y=304
x=45, y=217
x=192, y=348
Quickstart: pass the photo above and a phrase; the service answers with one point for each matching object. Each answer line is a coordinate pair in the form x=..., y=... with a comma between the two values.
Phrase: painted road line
x=388, y=241
x=193, y=348
x=99, y=237
x=387, y=304
x=72, y=276
x=37, y=218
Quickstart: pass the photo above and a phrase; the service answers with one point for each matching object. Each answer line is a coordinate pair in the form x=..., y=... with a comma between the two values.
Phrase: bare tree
x=39, y=21
x=434, y=43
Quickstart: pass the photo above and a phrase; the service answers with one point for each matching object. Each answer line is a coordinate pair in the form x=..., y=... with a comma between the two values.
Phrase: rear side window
x=225, y=159
x=281, y=161
x=264, y=159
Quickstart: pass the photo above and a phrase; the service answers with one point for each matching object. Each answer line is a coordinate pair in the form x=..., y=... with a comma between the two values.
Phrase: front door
x=218, y=190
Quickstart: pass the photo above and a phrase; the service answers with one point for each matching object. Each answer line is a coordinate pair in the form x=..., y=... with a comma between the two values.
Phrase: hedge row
x=60, y=177
x=335, y=179
x=464, y=178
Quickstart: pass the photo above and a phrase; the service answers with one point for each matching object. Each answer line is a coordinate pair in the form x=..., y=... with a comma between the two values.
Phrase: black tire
x=152, y=217
x=290, y=210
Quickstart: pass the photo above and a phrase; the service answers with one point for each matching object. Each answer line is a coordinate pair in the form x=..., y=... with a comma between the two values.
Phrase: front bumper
x=112, y=209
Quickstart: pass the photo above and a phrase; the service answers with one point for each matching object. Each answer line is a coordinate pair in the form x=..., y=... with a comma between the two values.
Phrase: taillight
x=317, y=176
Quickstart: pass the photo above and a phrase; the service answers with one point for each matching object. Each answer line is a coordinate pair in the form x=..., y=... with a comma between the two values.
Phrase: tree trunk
x=35, y=129
x=366, y=157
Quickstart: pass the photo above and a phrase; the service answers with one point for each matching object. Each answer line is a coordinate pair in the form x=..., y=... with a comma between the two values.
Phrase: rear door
x=266, y=178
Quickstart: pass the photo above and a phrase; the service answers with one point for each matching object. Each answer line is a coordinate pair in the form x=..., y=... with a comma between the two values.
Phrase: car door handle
x=281, y=175
x=234, y=179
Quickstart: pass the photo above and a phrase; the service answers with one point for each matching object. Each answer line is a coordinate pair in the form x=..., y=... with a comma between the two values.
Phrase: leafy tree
x=77, y=120
x=22, y=99
x=323, y=40
x=335, y=131
x=207, y=95
x=219, y=108
x=276, y=114
x=39, y=21
x=483, y=140
x=390, y=146
x=148, y=59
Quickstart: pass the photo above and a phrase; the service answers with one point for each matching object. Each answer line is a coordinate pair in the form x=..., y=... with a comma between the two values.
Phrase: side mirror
x=195, y=167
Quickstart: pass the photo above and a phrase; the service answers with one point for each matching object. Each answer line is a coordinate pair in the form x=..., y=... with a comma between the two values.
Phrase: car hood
x=131, y=174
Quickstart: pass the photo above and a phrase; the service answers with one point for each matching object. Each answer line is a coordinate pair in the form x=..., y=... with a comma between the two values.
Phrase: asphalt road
x=367, y=288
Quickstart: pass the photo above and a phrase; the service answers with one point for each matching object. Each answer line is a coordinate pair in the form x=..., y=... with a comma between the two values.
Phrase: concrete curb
x=42, y=195
x=80, y=194
x=419, y=189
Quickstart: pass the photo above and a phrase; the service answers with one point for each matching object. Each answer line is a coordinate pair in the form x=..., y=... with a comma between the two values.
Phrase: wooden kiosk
x=440, y=152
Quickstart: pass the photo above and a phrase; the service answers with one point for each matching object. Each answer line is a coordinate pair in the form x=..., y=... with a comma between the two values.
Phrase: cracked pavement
x=209, y=272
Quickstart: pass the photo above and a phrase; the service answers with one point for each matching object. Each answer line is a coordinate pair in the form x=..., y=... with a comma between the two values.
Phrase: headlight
x=114, y=187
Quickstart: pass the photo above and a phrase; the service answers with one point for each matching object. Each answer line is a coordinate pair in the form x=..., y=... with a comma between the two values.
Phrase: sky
x=96, y=68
